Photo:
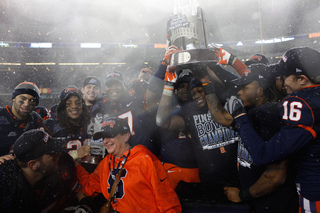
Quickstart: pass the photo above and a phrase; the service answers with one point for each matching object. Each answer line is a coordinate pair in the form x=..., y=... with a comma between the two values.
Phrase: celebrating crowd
x=194, y=140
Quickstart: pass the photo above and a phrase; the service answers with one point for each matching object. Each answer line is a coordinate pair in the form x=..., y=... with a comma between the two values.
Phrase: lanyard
x=115, y=170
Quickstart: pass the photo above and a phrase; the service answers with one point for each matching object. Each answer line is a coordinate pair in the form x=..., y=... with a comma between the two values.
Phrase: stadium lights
x=113, y=63
x=9, y=64
x=40, y=45
x=79, y=64
x=90, y=45
x=275, y=40
x=32, y=64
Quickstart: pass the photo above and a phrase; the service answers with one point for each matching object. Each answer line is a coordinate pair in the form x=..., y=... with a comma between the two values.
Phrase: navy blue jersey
x=11, y=127
x=266, y=121
x=300, y=113
x=60, y=135
x=52, y=111
x=142, y=123
x=42, y=111
x=215, y=146
x=137, y=90
x=176, y=147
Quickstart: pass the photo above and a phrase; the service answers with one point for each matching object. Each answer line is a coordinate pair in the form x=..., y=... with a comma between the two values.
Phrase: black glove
x=234, y=106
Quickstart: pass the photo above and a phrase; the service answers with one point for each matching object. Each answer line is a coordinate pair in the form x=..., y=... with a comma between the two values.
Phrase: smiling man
x=20, y=117
x=141, y=170
x=70, y=126
x=91, y=91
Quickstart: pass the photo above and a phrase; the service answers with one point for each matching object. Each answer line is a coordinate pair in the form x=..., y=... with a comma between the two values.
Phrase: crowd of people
x=183, y=140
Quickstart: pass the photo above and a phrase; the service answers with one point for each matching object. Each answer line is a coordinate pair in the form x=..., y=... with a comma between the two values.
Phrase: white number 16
x=293, y=110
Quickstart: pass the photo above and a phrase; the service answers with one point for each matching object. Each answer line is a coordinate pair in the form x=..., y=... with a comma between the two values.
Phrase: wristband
x=208, y=88
x=74, y=154
x=245, y=195
x=168, y=90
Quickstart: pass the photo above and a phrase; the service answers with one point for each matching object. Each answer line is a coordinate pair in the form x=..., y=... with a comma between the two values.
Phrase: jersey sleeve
x=297, y=112
x=284, y=143
x=166, y=198
x=90, y=182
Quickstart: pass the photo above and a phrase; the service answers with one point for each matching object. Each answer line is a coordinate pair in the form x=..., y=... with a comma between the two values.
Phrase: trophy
x=90, y=162
x=186, y=31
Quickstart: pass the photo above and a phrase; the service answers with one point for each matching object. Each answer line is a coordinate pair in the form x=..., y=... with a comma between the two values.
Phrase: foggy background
x=128, y=30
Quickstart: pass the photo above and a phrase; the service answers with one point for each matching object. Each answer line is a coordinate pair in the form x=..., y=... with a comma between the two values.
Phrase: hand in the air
x=167, y=56
x=225, y=58
x=170, y=77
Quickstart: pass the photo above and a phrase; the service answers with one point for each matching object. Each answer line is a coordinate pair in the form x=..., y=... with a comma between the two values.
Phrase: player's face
x=90, y=92
x=114, y=90
x=22, y=105
x=74, y=107
x=249, y=94
x=198, y=97
x=183, y=92
x=117, y=146
x=279, y=83
x=291, y=83
x=48, y=164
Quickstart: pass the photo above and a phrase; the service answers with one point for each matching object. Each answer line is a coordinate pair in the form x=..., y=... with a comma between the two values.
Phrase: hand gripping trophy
x=186, y=31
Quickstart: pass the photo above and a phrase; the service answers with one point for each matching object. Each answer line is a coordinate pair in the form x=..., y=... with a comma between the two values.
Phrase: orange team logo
x=222, y=150
x=70, y=89
x=64, y=174
x=131, y=91
x=109, y=123
x=259, y=58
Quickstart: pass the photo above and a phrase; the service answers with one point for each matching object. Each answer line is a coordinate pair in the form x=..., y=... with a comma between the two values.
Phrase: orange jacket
x=143, y=186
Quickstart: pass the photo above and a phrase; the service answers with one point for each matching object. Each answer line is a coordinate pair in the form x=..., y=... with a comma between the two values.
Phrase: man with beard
x=20, y=117
x=268, y=188
x=36, y=158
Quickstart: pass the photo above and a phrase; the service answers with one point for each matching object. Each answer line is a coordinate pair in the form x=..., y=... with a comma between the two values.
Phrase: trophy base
x=90, y=162
x=193, y=59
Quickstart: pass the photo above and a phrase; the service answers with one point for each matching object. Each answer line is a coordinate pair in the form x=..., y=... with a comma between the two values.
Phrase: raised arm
x=164, y=118
x=219, y=115
x=155, y=88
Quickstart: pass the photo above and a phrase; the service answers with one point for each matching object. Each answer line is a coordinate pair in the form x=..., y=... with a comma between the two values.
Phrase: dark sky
x=144, y=21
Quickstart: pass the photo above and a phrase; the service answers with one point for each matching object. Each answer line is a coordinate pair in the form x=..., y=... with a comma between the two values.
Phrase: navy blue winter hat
x=92, y=80
x=195, y=83
x=27, y=88
x=114, y=76
x=70, y=90
x=301, y=61
x=111, y=127
x=185, y=76
x=258, y=72
x=33, y=144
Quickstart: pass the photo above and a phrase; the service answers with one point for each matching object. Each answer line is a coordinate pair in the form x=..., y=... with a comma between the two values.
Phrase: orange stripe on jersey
x=8, y=109
x=309, y=129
